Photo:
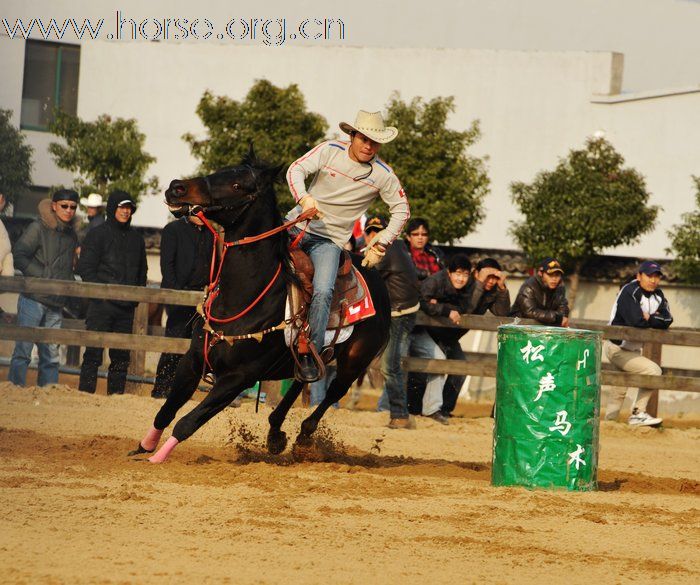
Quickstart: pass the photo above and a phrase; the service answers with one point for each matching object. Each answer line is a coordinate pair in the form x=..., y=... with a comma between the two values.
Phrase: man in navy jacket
x=640, y=303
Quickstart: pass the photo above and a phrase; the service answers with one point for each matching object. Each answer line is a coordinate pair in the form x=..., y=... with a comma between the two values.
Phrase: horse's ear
x=251, y=157
x=273, y=172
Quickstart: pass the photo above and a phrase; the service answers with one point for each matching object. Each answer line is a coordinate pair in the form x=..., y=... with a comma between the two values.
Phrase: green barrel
x=547, y=408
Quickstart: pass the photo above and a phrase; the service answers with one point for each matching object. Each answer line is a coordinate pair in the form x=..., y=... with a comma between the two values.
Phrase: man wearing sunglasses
x=46, y=249
x=427, y=258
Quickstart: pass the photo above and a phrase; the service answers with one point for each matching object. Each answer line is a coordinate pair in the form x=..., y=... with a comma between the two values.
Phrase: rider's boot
x=308, y=370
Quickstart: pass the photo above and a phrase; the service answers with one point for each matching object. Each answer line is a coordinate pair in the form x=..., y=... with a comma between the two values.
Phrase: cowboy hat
x=92, y=200
x=371, y=124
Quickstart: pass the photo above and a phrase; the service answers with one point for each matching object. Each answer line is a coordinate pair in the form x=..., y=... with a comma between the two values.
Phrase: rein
x=212, y=290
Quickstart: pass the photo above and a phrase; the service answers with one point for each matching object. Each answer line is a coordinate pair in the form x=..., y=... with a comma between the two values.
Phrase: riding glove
x=307, y=202
x=374, y=252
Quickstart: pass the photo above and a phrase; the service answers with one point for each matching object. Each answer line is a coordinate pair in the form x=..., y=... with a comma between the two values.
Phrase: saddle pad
x=362, y=309
x=290, y=332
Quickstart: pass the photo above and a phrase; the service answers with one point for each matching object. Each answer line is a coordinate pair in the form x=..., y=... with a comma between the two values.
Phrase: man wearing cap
x=112, y=253
x=347, y=177
x=46, y=249
x=401, y=281
x=543, y=296
x=95, y=210
x=640, y=303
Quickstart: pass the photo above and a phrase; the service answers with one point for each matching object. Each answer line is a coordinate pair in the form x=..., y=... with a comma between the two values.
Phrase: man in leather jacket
x=112, y=253
x=399, y=274
x=543, y=296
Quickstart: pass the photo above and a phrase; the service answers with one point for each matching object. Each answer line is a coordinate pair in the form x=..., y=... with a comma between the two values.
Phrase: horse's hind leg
x=354, y=359
x=226, y=388
x=185, y=383
x=276, y=437
x=337, y=389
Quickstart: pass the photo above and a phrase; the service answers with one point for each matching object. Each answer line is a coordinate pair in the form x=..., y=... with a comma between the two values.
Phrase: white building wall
x=533, y=107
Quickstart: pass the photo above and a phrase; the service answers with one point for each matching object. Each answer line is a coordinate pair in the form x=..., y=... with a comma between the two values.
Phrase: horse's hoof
x=304, y=440
x=276, y=442
x=139, y=451
x=308, y=427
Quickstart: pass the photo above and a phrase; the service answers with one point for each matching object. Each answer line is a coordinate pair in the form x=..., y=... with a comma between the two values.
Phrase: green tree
x=106, y=154
x=15, y=159
x=444, y=184
x=275, y=119
x=685, y=242
x=589, y=202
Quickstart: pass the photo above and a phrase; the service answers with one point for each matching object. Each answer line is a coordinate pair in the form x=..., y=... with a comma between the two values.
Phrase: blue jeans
x=31, y=313
x=395, y=376
x=423, y=346
x=325, y=256
x=319, y=388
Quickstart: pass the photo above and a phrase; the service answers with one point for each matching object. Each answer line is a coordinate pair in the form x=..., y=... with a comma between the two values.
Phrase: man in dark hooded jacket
x=46, y=249
x=112, y=253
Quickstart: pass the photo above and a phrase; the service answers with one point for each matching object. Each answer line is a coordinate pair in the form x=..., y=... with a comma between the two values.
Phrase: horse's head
x=226, y=194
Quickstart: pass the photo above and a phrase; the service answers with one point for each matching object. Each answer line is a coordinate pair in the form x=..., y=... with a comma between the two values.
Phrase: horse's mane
x=269, y=195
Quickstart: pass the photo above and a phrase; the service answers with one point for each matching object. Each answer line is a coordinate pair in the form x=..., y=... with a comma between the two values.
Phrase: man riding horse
x=348, y=178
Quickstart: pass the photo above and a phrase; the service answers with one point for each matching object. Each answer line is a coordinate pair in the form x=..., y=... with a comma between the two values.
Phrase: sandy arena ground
x=380, y=506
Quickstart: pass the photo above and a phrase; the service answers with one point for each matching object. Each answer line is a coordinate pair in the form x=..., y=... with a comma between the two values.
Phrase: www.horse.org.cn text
x=268, y=31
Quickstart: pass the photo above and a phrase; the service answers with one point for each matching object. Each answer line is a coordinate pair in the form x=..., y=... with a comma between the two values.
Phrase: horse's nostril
x=178, y=188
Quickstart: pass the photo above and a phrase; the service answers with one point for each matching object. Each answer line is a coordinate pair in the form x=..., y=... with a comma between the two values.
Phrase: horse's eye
x=235, y=186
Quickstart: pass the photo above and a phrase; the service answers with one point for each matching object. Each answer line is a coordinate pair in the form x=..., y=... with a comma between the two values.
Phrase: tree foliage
x=685, y=242
x=106, y=154
x=444, y=184
x=587, y=203
x=275, y=119
x=15, y=159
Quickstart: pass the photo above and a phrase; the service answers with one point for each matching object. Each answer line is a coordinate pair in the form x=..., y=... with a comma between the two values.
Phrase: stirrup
x=327, y=354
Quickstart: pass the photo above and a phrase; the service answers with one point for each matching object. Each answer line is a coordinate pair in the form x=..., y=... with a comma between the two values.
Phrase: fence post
x=652, y=350
x=137, y=365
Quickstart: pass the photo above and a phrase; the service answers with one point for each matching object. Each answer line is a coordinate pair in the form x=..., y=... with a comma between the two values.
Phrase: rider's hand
x=373, y=256
x=307, y=202
x=374, y=252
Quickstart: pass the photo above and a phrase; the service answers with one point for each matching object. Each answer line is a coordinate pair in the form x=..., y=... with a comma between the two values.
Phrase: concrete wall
x=533, y=107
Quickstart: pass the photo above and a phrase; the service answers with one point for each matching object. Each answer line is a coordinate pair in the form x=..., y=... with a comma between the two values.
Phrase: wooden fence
x=149, y=339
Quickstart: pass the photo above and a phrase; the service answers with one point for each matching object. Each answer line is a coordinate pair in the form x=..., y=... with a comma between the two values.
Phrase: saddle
x=351, y=299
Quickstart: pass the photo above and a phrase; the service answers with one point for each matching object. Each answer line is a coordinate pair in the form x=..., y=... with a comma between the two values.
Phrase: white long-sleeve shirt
x=340, y=197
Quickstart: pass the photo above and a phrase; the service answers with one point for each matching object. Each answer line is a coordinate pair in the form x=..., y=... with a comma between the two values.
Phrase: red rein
x=213, y=288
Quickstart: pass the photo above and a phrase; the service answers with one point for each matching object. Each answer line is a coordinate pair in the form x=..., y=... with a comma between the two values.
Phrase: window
x=50, y=82
x=26, y=203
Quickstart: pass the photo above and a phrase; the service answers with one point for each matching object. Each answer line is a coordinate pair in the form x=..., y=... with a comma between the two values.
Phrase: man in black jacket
x=112, y=253
x=640, y=303
x=444, y=294
x=185, y=256
x=543, y=297
x=401, y=281
x=46, y=249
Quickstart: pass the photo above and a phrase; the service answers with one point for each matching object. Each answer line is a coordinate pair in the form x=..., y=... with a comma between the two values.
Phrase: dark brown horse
x=241, y=199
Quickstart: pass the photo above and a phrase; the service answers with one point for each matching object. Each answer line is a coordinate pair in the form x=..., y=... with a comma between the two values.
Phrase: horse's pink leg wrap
x=150, y=441
x=164, y=451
